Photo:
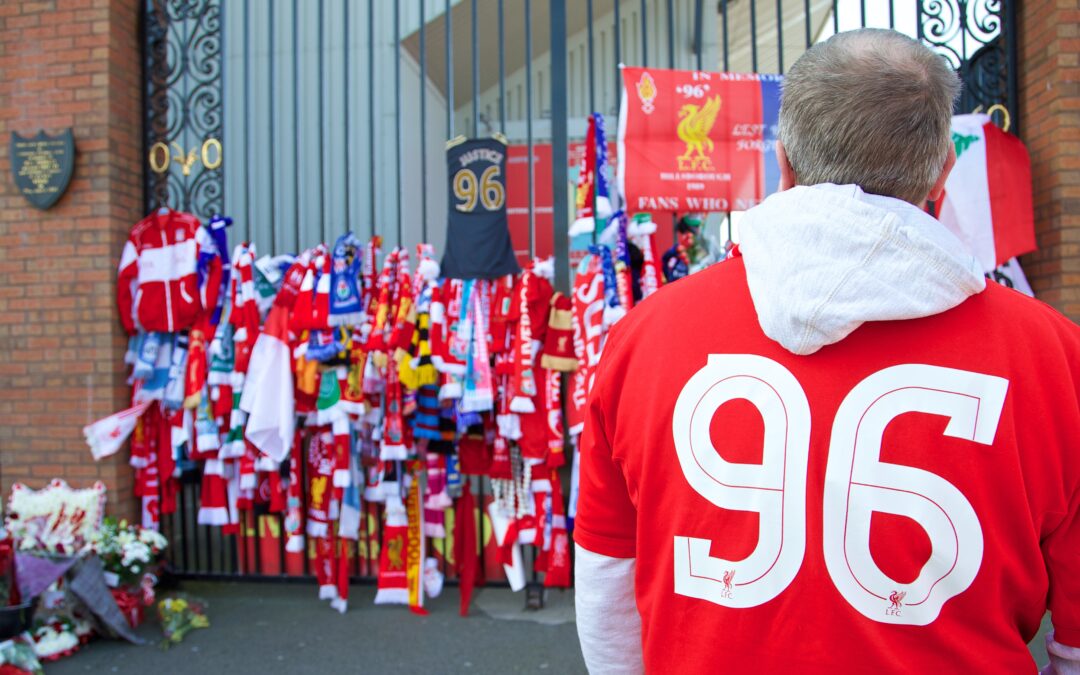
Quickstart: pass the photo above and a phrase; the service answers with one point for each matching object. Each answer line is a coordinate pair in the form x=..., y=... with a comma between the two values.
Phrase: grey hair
x=870, y=107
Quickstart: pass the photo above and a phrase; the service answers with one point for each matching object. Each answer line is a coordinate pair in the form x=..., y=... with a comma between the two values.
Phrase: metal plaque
x=42, y=166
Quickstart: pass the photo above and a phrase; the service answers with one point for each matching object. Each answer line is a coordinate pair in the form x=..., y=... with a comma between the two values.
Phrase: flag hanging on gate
x=692, y=141
x=988, y=201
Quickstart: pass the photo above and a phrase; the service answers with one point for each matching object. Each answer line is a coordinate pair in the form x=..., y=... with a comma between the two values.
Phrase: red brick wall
x=66, y=63
x=1050, y=113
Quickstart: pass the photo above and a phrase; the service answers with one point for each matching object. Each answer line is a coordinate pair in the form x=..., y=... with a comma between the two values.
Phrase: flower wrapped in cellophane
x=179, y=615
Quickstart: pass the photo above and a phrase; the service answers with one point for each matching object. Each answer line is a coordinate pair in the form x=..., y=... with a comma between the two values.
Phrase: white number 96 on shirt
x=857, y=484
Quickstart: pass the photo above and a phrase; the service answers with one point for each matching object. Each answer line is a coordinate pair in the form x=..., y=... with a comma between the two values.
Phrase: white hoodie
x=823, y=260
x=820, y=261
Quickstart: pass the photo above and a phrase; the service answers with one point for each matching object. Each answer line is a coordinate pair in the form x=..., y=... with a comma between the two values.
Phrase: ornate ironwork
x=184, y=99
x=978, y=37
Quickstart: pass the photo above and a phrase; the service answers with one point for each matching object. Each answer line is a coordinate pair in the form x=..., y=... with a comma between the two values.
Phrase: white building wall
x=604, y=73
x=298, y=139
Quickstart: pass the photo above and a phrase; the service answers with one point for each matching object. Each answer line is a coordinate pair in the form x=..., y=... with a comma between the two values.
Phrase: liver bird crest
x=695, y=125
x=394, y=549
x=897, y=599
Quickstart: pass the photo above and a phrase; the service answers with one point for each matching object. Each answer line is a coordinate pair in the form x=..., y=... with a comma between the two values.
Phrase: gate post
x=559, y=157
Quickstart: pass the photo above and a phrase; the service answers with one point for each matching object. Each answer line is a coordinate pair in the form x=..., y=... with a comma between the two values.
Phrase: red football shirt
x=902, y=501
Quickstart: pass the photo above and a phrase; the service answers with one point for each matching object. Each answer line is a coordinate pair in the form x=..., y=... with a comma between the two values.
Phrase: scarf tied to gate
x=346, y=304
x=479, y=395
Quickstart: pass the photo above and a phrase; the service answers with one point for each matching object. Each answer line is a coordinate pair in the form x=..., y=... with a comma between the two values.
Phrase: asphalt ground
x=283, y=628
x=263, y=628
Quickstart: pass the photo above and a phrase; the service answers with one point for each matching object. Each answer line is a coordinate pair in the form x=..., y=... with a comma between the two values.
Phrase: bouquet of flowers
x=179, y=616
x=17, y=657
x=129, y=556
x=127, y=552
x=55, y=639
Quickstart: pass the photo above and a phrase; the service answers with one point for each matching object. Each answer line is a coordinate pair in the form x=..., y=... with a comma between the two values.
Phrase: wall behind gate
x=67, y=63
x=305, y=159
x=311, y=138
x=1050, y=115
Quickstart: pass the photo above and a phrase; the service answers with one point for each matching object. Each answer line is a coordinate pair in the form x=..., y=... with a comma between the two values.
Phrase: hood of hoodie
x=822, y=260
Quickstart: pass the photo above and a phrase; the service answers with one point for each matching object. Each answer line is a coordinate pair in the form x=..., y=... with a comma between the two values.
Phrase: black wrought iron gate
x=295, y=117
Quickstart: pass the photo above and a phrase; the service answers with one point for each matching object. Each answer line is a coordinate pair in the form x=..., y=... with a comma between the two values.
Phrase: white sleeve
x=1064, y=660
x=608, y=623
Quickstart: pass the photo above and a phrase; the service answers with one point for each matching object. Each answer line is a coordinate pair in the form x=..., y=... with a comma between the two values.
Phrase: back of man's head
x=869, y=107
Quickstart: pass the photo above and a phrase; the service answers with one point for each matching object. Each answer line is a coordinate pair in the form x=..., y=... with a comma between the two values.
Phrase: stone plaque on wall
x=42, y=166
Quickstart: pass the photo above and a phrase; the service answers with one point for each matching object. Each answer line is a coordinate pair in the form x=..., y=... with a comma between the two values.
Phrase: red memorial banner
x=692, y=141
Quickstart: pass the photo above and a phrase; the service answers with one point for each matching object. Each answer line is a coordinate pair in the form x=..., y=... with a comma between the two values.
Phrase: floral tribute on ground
x=75, y=572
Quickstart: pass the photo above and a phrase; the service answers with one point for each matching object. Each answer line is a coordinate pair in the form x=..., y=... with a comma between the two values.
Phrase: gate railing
x=186, y=57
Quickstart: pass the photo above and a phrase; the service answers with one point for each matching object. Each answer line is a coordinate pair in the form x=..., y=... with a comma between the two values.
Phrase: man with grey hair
x=863, y=458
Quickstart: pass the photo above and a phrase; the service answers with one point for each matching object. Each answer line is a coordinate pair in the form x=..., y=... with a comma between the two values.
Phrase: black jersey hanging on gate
x=477, y=239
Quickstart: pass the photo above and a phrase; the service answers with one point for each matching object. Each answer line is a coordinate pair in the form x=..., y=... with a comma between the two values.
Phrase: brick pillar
x=67, y=63
x=1049, y=52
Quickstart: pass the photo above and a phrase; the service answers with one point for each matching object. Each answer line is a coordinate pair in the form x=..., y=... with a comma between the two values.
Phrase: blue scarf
x=346, y=307
x=219, y=237
x=611, y=290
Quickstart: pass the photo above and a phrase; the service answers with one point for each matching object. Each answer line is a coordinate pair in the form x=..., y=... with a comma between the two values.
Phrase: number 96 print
x=857, y=483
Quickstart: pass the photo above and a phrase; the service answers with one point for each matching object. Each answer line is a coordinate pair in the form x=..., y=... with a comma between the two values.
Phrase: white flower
x=49, y=641
x=135, y=552
x=153, y=539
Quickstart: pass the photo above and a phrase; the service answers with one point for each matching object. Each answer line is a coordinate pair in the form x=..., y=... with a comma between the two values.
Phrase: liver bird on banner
x=695, y=125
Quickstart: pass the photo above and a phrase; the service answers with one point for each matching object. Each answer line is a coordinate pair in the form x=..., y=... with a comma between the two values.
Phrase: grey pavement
x=283, y=628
